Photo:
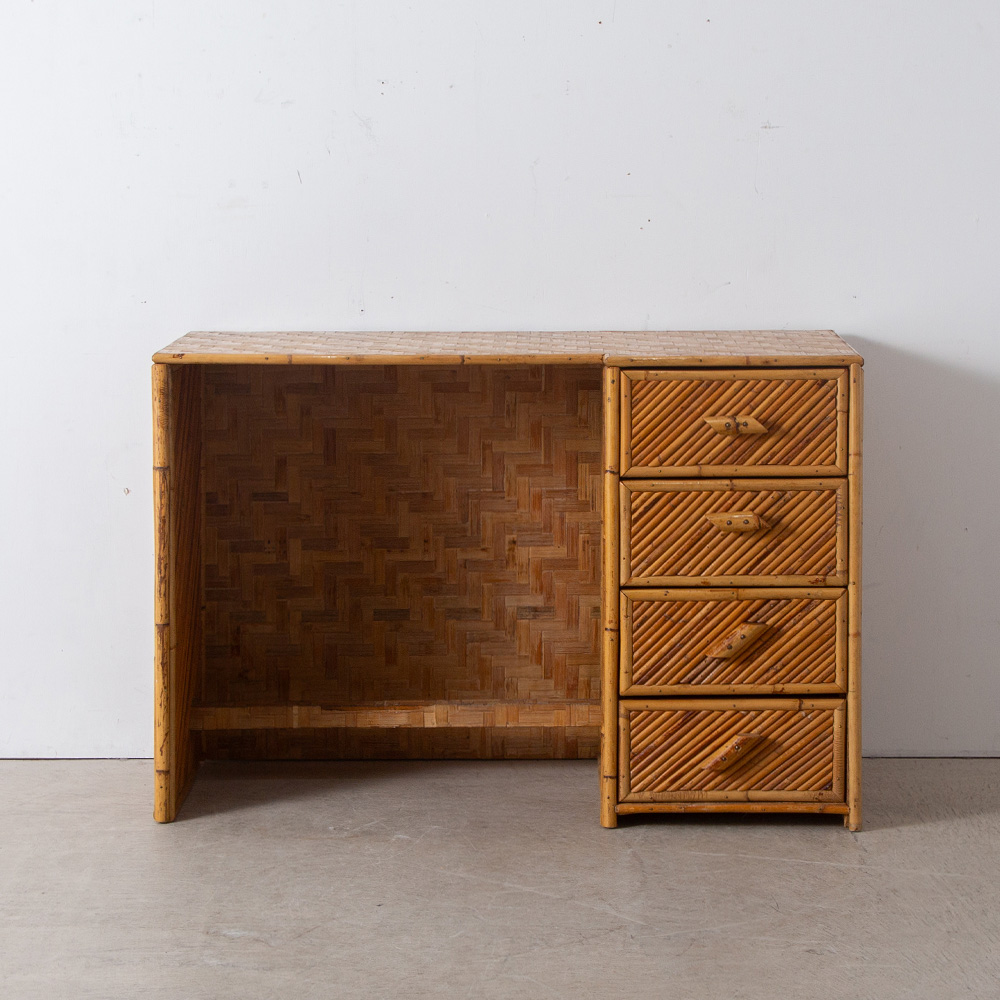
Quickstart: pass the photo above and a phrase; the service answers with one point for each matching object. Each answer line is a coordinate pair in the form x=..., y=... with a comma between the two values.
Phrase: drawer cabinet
x=732, y=660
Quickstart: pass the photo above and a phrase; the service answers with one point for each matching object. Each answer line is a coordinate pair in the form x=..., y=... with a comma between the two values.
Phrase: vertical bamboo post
x=163, y=800
x=610, y=602
x=853, y=818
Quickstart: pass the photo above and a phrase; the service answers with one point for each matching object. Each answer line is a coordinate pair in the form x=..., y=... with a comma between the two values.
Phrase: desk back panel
x=402, y=535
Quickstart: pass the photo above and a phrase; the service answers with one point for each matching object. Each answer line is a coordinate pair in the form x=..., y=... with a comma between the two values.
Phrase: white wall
x=241, y=164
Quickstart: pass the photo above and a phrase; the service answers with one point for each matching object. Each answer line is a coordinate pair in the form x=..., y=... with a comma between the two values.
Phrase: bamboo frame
x=164, y=795
x=629, y=378
x=609, y=603
x=181, y=730
x=853, y=819
x=836, y=686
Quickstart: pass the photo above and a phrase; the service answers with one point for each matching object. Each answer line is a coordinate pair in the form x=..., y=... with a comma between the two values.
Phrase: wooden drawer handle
x=736, y=749
x=736, y=642
x=737, y=520
x=742, y=423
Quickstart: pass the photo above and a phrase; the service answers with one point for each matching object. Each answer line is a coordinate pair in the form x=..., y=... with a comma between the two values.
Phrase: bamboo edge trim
x=163, y=796
x=830, y=374
x=432, y=715
x=460, y=360
x=853, y=820
x=611, y=644
x=748, y=806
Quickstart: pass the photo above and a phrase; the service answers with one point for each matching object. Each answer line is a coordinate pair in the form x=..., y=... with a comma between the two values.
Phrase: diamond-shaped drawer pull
x=737, y=520
x=736, y=749
x=737, y=642
x=741, y=423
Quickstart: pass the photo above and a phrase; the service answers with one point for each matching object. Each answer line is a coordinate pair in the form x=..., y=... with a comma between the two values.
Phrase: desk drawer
x=755, y=641
x=734, y=532
x=730, y=423
x=774, y=749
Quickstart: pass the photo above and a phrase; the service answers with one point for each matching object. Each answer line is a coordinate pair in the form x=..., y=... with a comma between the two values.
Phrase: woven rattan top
x=674, y=349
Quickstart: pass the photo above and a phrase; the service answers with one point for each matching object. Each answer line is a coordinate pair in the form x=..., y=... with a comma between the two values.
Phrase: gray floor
x=487, y=880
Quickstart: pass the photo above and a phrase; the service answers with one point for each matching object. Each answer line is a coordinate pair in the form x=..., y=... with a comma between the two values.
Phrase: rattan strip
x=462, y=715
x=670, y=641
x=402, y=534
x=667, y=751
x=541, y=743
x=747, y=803
x=737, y=347
x=669, y=429
x=670, y=535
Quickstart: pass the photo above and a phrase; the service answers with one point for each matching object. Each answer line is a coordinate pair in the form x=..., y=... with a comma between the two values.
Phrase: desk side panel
x=179, y=644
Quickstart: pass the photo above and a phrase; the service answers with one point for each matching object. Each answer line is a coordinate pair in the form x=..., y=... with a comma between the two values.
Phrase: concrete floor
x=487, y=880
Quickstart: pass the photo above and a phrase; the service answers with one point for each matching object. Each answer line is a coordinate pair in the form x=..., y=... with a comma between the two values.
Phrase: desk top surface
x=676, y=349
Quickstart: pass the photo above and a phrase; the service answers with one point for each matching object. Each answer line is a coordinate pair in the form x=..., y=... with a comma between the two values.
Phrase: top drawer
x=728, y=423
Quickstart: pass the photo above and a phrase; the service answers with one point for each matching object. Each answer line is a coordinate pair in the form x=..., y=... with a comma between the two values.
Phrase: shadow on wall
x=931, y=613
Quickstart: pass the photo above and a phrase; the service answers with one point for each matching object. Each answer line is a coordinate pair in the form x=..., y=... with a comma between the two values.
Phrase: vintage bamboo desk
x=639, y=546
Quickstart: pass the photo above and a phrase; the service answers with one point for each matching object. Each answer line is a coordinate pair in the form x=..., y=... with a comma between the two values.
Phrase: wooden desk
x=449, y=545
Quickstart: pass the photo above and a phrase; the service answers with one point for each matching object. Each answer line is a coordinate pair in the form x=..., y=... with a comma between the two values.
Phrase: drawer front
x=734, y=532
x=758, y=641
x=732, y=750
x=677, y=423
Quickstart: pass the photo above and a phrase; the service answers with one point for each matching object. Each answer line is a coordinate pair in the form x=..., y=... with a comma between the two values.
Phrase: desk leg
x=853, y=820
x=177, y=584
x=610, y=602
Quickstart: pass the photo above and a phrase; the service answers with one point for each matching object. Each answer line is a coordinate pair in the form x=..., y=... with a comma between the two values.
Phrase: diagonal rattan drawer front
x=731, y=423
x=734, y=532
x=745, y=750
x=753, y=641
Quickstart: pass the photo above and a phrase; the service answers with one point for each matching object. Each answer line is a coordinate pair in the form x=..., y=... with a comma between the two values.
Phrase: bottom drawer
x=776, y=749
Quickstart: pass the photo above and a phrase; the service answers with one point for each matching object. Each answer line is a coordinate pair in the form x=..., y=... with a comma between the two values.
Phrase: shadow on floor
x=235, y=786
x=922, y=791
x=897, y=792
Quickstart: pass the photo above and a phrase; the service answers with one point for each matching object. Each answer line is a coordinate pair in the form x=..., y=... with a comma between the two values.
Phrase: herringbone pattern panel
x=668, y=750
x=668, y=427
x=400, y=534
x=672, y=641
x=671, y=537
